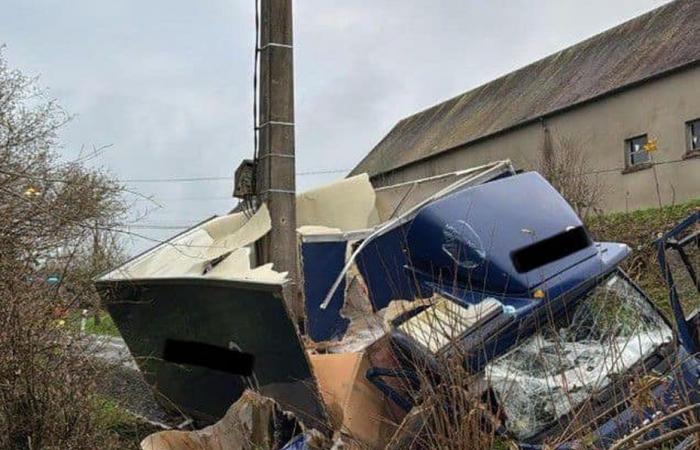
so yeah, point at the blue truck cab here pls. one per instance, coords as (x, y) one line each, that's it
(571, 336)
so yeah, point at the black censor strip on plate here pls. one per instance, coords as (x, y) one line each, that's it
(210, 356)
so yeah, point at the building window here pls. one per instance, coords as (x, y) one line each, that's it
(693, 135)
(635, 153)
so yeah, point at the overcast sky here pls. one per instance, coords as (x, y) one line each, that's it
(168, 83)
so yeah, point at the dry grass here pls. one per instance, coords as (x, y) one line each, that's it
(47, 377)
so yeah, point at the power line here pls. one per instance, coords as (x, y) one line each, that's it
(186, 199)
(148, 226)
(172, 180)
(162, 180)
(228, 178)
(157, 227)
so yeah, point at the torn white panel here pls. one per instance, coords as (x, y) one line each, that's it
(311, 230)
(265, 274)
(368, 327)
(562, 365)
(219, 248)
(348, 204)
(446, 321)
(176, 257)
(238, 262)
(236, 230)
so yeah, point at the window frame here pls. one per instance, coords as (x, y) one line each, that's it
(690, 127)
(629, 164)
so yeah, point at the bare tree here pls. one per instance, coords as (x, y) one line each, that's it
(49, 211)
(565, 164)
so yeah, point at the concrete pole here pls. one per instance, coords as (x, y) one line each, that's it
(275, 179)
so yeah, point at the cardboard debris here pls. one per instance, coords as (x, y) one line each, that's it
(381, 354)
(254, 422)
(356, 407)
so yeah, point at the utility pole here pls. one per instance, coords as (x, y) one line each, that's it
(96, 268)
(275, 176)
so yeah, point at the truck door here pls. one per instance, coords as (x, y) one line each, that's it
(679, 257)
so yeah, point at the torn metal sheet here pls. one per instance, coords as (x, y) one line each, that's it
(245, 316)
(321, 263)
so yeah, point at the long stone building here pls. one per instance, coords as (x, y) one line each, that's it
(633, 88)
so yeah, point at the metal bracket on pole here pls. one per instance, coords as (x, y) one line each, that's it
(272, 122)
(275, 44)
(275, 155)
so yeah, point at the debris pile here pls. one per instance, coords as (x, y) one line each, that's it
(253, 422)
(435, 310)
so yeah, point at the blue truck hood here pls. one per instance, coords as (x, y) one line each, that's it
(506, 236)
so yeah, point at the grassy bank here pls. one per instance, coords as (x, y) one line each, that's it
(125, 429)
(103, 326)
(639, 229)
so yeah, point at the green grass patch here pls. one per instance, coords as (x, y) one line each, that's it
(110, 415)
(103, 326)
(639, 229)
(128, 430)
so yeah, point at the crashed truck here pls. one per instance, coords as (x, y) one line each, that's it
(488, 266)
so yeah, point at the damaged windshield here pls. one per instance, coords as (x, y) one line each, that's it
(575, 355)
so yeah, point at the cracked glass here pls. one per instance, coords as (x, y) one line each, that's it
(576, 355)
